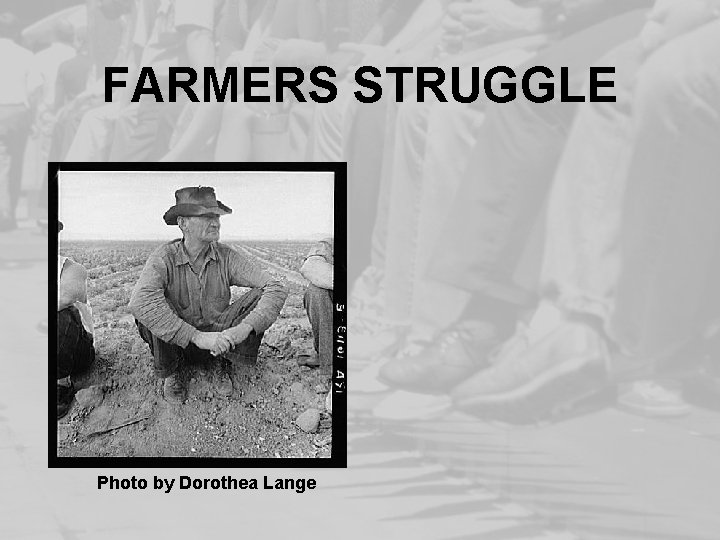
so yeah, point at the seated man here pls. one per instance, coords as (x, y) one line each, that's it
(75, 329)
(181, 302)
(318, 270)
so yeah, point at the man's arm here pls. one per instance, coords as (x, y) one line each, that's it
(73, 285)
(247, 273)
(149, 305)
(318, 271)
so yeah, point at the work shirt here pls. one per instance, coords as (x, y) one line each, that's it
(324, 275)
(173, 302)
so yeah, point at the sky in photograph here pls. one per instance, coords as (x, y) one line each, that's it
(130, 206)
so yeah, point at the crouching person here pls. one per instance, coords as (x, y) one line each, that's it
(318, 269)
(75, 352)
(181, 302)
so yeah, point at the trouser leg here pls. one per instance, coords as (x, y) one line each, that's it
(500, 201)
(365, 147)
(319, 307)
(247, 351)
(75, 352)
(671, 223)
(581, 260)
(166, 357)
(13, 125)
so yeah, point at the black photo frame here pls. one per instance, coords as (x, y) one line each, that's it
(338, 458)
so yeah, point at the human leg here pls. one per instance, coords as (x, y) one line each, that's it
(671, 220)
(624, 238)
(93, 139)
(166, 360)
(75, 350)
(13, 120)
(75, 353)
(511, 171)
(318, 304)
(247, 351)
(234, 138)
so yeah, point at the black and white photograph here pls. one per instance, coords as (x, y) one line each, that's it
(195, 314)
(512, 207)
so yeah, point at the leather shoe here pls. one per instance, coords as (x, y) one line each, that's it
(223, 382)
(545, 380)
(458, 353)
(174, 389)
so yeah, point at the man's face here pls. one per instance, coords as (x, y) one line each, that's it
(202, 228)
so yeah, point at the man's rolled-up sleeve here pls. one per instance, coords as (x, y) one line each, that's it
(245, 272)
(149, 305)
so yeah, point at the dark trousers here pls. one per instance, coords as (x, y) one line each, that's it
(167, 357)
(319, 306)
(75, 352)
(367, 138)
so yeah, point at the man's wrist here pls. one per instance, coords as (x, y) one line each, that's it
(238, 334)
(194, 336)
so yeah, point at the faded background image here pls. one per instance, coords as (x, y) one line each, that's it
(534, 303)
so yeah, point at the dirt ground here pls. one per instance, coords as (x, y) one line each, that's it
(120, 411)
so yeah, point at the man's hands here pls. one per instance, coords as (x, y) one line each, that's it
(215, 342)
(219, 343)
(238, 334)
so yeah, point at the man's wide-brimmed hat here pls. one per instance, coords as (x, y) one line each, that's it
(195, 201)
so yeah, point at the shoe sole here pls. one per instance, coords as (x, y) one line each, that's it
(554, 393)
(437, 389)
(656, 412)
